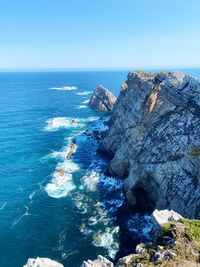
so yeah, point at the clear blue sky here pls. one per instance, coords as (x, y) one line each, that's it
(108, 34)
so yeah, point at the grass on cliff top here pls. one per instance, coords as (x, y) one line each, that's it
(192, 229)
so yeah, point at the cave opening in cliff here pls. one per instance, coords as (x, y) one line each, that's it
(146, 197)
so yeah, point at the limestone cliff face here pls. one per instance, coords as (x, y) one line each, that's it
(154, 136)
(102, 99)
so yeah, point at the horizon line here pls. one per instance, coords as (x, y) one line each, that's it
(95, 69)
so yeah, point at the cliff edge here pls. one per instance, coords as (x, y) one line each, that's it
(154, 136)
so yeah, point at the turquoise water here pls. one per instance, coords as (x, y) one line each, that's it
(43, 213)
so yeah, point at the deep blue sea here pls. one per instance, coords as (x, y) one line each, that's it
(67, 210)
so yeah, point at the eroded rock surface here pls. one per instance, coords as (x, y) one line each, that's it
(160, 217)
(102, 99)
(99, 262)
(42, 262)
(154, 135)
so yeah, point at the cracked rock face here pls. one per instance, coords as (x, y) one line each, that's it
(102, 99)
(154, 136)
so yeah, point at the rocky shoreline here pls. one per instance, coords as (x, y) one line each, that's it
(154, 144)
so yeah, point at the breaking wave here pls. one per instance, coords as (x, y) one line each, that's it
(64, 88)
(84, 93)
(61, 183)
(86, 101)
(82, 106)
(63, 122)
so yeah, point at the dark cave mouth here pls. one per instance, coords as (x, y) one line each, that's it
(145, 198)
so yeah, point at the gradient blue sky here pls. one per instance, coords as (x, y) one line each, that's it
(91, 34)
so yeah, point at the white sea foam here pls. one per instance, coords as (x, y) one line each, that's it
(82, 207)
(86, 101)
(58, 122)
(111, 183)
(3, 205)
(61, 183)
(90, 180)
(64, 88)
(25, 214)
(107, 240)
(94, 118)
(84, 93)
(32, 195)
(140, 225)
(82, 106)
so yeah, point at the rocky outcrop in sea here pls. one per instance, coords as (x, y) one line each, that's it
(154, 137)
(102, 99)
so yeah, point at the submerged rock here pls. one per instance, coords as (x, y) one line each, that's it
(99, 262)
(102, 99)
(42, 262)
(154, 137)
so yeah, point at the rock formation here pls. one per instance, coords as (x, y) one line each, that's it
(102, 99)
(160, 217)
(42, 262)
(72, 150)
(154, 136)
(99, 262)
(176, 245)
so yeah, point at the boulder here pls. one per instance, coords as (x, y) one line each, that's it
(102, 99)
(140, 249)
(99, 262)
(160, 217)
(42, 262)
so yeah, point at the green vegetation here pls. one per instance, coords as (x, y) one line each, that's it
(192, 229)
(181, 238)
(166, 229)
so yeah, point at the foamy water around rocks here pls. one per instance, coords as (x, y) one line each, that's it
(85, 184)
(50, 206)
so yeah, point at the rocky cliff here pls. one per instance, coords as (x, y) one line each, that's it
(102, 99)
(42, 262)
(154, 136)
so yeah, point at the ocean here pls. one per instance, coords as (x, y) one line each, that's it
(71, 216)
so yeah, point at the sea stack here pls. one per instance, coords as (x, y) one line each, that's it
(102, 99)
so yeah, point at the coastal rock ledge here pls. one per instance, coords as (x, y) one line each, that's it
(102, 99)
(42, 262)
(99, 262)
(154, 137)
